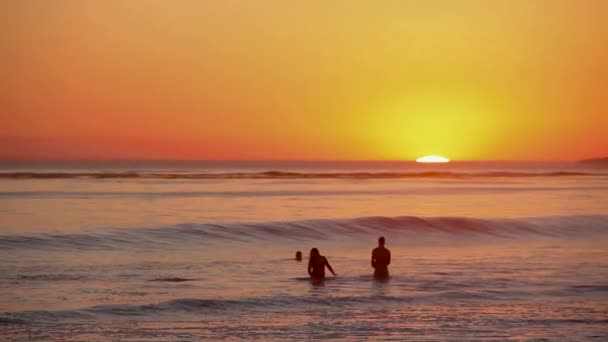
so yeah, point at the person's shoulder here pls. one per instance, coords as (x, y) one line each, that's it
(381, 250)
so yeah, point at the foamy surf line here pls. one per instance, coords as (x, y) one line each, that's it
(291, 175)
(422, 229)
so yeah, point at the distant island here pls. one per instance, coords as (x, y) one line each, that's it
(595, 161)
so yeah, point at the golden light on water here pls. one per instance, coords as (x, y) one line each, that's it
(432, 159)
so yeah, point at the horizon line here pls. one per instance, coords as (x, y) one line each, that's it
(110, 160)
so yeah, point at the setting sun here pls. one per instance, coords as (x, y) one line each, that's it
(432, 159)
(185, 82)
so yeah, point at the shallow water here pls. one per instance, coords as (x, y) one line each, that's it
(474, 258)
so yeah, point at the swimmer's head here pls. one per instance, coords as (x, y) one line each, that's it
(298, 255)
(314, 252)
(381, 241)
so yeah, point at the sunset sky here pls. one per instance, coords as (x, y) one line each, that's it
(469, 80)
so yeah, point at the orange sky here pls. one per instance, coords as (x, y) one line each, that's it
(509, 80)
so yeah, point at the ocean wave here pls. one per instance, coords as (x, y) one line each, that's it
(291, 175)
(265, 304)
(452, 190)
(274, 304)
(415, 229)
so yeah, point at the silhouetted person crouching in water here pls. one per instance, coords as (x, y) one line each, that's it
(381, 258)
(316, 265)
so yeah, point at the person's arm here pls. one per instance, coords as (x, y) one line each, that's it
(373, 260)
(388, 261)
(310, 267)
(329, 267)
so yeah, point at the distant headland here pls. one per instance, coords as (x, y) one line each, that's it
(595, 161)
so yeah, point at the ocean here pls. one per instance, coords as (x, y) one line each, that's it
(184, 251)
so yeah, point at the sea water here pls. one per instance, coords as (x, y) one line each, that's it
(205, 250)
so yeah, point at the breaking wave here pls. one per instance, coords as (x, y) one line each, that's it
(411, 227)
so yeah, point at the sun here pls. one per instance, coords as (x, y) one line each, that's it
(432, 159)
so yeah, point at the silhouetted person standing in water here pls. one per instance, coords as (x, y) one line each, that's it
(381, 258)
(316, 265)
(299, 256)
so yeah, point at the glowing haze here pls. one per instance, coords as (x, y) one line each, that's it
(524, 80)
